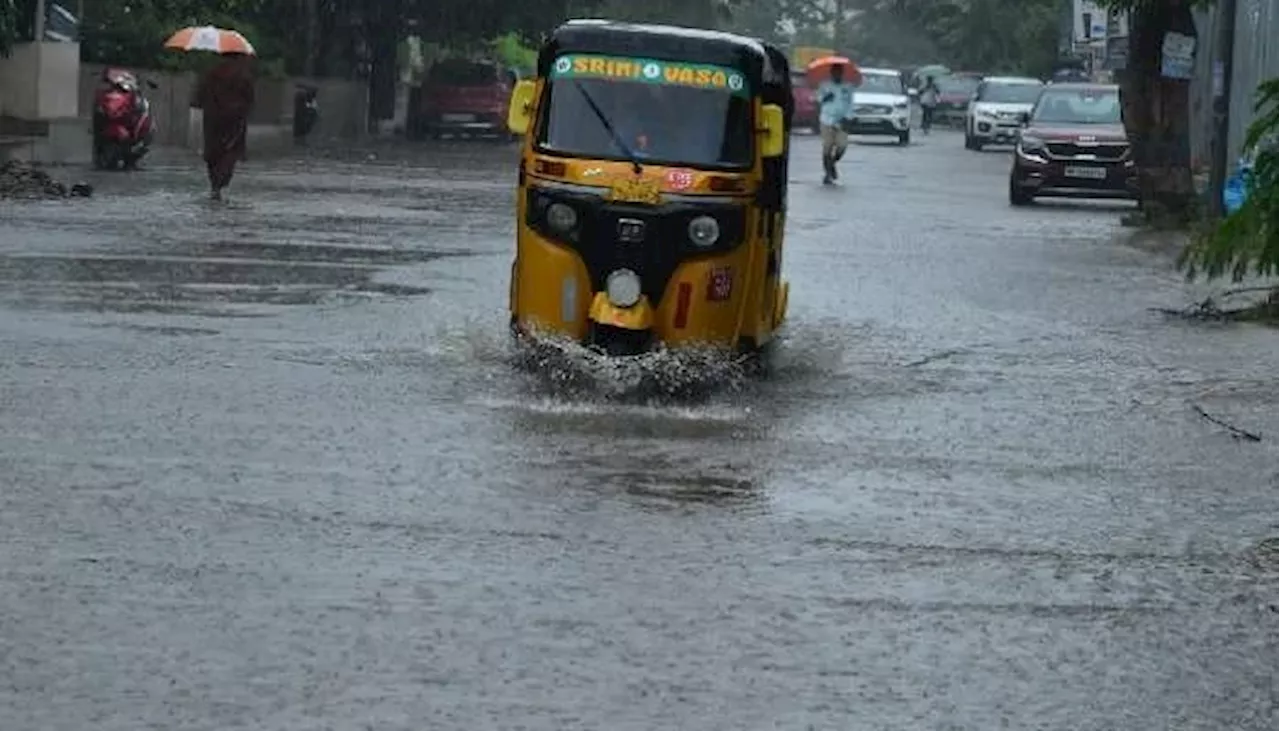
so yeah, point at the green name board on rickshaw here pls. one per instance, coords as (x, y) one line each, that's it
(650, 71)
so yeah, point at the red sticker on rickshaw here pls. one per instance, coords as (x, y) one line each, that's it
(680, 179)
(720, 285)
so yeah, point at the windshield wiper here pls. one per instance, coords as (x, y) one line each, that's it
(608, 127)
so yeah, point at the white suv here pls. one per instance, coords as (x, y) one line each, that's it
(881, 106)
(994, 115)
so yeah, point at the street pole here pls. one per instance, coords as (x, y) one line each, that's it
(38, 31)
(1222, 107)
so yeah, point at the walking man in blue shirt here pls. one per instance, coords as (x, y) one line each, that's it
(836, 99)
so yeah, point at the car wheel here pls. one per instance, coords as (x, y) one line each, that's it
(968, 138)
(904, 138)
(1018, 196)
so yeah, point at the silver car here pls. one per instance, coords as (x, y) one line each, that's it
(995, 112)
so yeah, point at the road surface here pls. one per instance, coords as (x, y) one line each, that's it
(267, 466)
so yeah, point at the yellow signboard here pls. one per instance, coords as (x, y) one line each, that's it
(802, 56)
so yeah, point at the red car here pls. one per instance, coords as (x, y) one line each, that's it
(954, 93)
(462, 96)
(806, 112)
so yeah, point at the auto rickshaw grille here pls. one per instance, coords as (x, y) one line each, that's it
(656, 241)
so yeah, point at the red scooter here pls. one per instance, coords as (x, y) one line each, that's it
(122, 123)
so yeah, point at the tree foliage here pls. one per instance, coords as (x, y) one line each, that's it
(347, 33)
(8, 26)
(998, 36)
(1245, 242)
(133, 33)
(1007, 36)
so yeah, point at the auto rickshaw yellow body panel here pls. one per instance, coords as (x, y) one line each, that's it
(681, 253)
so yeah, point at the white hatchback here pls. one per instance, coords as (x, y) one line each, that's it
(995, 113)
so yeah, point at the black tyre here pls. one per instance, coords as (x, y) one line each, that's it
(904, 138)
(1018, 196)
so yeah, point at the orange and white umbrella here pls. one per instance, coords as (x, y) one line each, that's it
(819, 70)
(208, 38)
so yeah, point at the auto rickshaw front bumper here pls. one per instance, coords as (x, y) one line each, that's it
(620, 330)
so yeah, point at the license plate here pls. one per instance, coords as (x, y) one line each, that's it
(1086, 172)
(457, 117)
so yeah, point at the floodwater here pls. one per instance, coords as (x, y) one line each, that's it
(268, 466)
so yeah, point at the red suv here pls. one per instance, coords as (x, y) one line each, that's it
(806, 112)
(462, 96)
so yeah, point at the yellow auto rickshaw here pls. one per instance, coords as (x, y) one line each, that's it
(652, 189)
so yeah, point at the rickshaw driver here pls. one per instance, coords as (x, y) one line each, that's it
(647, 118)
(658, 130)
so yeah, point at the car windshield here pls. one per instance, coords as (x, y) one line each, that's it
(957, 85)
(1078, 106)
(881, 84)
(461, 72)
(665, 113)
(1023, 93)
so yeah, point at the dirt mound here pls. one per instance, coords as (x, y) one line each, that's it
(24, 180)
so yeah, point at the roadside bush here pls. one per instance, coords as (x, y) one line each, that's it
(1245, 242)
(511, 50)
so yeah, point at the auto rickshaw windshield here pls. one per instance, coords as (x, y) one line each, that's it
(660, 123)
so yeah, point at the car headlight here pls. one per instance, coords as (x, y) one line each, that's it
(623, 288)
(1030, 145)
(900, 106)
(561, 217)
(984, 113)
(704, 231)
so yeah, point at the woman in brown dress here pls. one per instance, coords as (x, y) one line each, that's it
(226, 97)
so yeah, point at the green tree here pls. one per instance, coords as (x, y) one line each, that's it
(133, 33)
(1157, 109)
(8, 26)
(1245, 241)
(690, 13)
(997, 36)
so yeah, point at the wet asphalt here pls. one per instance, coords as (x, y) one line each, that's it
(268, 466)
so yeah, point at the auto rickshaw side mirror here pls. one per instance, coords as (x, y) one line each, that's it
(520, 113)
(773, 131)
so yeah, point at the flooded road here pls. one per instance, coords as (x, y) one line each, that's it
(267, 466)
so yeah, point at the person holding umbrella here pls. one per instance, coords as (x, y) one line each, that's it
(225, 96)
(835, 100)
(928, 103)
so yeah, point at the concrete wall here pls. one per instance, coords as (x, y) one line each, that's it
(38, 81)
(1255, 60)
(18, 82)
(59, 65)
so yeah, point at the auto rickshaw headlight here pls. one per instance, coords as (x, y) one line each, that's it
(561, 217)
(704, 231)
(623, 288)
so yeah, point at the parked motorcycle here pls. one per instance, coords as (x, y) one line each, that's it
(306, 112)
(122, 124)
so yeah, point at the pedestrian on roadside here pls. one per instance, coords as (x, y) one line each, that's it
(928, 103)
(225, 96)
(835, 96)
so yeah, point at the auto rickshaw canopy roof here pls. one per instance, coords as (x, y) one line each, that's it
(762, 65)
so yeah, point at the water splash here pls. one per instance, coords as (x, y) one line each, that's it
(562, 367)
